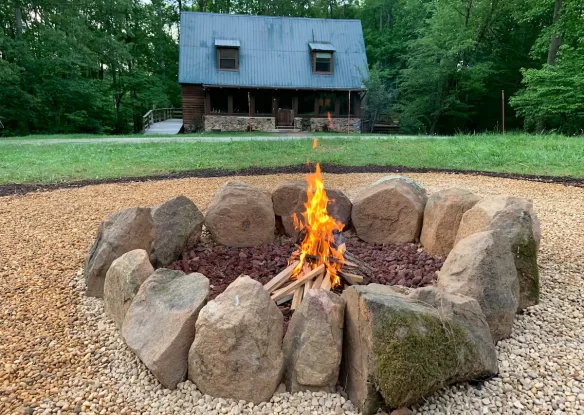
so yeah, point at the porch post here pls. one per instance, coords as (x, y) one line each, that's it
(316, 103)
(230, 104)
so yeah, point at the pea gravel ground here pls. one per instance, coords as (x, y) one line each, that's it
(58, 354)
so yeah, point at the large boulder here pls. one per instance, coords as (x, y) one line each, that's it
(481, 266)
(178, 224)
(241, 215)
(160, 324)
(237, 352)
(122, 281)
(515, 227)
(389, 212)
(313, 343)
(122, 232)
(290, 197)
(403, 344)
(442, 216)
(481, 215)
(514, 220)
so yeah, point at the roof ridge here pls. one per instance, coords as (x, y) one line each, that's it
(271, 17)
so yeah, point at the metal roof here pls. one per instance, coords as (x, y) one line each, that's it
(321, 46)
(227, 43)
(274, 52)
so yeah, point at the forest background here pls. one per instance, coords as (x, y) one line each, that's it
(436, 66)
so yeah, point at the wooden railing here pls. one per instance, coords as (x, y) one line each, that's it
(159, 114)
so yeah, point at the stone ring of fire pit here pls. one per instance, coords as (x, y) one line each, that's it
(387, 345)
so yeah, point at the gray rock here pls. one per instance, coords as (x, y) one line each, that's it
(481, 266)
(122, 232)
(514, 220)
(178, 224)
(390, 211)
(313, 343)
(122, 281)
(160, 324)
(237, 352)
(241, 215)
(289, 198)
(515, 226)
(480, 216)
(442, 216)
(403, 344)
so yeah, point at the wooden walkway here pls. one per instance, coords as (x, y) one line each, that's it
(168, 127)
(165, 121)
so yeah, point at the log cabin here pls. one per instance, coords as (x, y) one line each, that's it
(263, 73)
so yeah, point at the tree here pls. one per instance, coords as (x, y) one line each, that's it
(553, 97)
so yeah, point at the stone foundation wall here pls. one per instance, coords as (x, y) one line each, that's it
(236, 123)
(339, 125)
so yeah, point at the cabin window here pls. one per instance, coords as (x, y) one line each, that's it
(306, 103)
(228, 59)
(219, 102)
(323, 62)
(240, 102)
(263, 102)
(326, 103)
(344, 102)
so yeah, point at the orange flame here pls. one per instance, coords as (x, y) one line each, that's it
(319, 241)
(331, 124)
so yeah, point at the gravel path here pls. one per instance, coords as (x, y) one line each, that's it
(58, 354)
(206, 139)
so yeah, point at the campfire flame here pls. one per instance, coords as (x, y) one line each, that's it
(319, 230)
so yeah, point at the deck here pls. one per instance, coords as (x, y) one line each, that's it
(162, 121)
(167, 127)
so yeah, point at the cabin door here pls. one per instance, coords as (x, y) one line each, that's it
(285, 115)
(285, 118)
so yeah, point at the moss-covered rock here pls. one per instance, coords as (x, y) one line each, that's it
(515, 225)
(403, 344)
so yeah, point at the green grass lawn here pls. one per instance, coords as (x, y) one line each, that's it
(203, 134)
(551, 155)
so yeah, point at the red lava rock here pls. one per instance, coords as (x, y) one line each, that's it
(401, 264)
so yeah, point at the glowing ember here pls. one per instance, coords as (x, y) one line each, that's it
(318, 227)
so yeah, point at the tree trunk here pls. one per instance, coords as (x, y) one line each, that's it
(18, 16)
(556, 41)
(467, 14)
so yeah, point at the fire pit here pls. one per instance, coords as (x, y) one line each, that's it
(397, 290)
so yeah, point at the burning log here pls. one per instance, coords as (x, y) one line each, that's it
(321, 259)
(283, 292)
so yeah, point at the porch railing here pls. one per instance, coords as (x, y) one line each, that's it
(158, 115)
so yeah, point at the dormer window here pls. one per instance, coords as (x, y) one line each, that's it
(227, 54)
(322, 58)
(323, 62)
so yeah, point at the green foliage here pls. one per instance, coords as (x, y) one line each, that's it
(436, 65)
(90, 67)
(553, 97)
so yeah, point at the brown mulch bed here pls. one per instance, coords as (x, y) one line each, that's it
(24, 188)
(404, 264)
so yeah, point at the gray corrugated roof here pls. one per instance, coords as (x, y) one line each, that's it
(229, 43)
(321, 46)
(274, 51)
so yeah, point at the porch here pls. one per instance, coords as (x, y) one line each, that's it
(242, 109)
